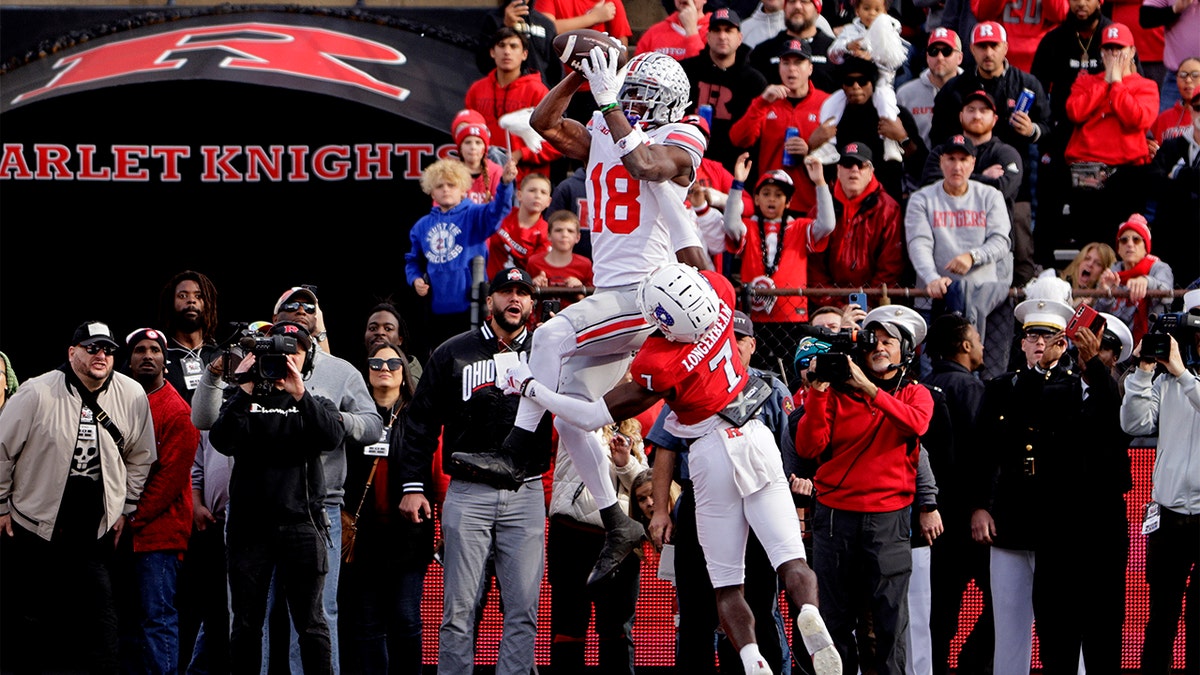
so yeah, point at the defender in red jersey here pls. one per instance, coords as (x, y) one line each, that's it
(691, 361)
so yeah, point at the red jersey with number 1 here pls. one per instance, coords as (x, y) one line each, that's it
(705, 376)
(630, 237)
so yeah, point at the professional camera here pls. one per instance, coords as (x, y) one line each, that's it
(1156, 344)
(835, 350)
(270, 353)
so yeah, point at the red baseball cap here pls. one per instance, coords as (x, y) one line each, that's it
(945, 36)
(988, 31)
(1116, 34)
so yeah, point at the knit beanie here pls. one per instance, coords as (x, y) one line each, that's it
(470, 123)
(10, 376)
(1137, 223)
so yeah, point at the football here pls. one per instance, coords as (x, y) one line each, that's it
(573, 47)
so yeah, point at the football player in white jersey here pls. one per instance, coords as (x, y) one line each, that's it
(640, 162)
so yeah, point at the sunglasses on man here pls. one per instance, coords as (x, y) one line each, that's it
(940, 50)
(392, 364)
(309, 307)
(94, 349)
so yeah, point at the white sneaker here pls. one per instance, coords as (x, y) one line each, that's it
(826, 153)
(892, 152)
(818, 642)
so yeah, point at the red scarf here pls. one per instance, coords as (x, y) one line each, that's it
(855, 241)
(1141, 312)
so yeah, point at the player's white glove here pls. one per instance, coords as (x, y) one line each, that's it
(518, 380)
(600, 69)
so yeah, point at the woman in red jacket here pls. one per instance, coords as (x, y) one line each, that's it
(1108, 150)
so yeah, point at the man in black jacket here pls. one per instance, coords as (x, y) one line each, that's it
(957, 354)
(276, 431)
(458, 400)
(722, 77)
(800, 23)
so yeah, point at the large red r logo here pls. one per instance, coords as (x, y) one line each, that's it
(304, 52)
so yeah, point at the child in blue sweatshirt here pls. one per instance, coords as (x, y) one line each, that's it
(444, 242)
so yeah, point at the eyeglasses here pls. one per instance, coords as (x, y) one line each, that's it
(860, 80)
(854, 164)
(1130, 239)
(309, 307)
(93, 349)
(940, 50)
(392, 364)
(1035, 336)
(1190, 75)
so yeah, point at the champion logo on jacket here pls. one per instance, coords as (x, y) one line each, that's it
(259, 409)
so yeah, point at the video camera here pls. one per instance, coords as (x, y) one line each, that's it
(1156, 344)
(835, 350)
(270, 354)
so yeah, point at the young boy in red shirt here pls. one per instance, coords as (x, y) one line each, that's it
(523, 231)
(560, 266)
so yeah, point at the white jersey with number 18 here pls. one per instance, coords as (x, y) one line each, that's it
(630, 234)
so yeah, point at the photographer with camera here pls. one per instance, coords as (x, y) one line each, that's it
(1169, 406)
(277, 431)
(863, 420)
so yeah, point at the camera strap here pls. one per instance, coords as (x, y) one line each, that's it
(90, 399)
(747, 402)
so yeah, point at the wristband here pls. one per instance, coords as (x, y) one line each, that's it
(605, 109)
(631, 141)
(737, 185)
(526, 386)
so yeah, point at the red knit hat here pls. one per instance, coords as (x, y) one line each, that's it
(470, 123)
(1137, 223)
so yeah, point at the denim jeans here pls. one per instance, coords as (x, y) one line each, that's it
(477, 520)
(382, 610)
(157, 572)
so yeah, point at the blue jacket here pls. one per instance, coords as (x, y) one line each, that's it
(443, 244)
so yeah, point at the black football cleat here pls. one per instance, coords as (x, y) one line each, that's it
(622, 536)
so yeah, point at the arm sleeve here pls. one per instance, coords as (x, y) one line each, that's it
(177, 453)
(746, 131)
(422, 426)
(912, 414)
(927, 489)
(1139, 408)
(920, 238)
(589, 415)
(206, 400)
(359, 416)
(1150, 16)
(414, 264)
(1088, 94)
(824, 223)
(140, 453)
(1135, 103)
(813, 432)
(998, 243)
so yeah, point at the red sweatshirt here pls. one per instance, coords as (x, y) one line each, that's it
(1025, 21)
(1112, 119)
(868, 449)
(512, 244)
(668, 37)
(163, 520)
(792, 270)
(493, 102)
(766, 124)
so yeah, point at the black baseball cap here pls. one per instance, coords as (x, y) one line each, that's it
(960, 143)
(857, 152)
(94, 332)
(512, 276)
